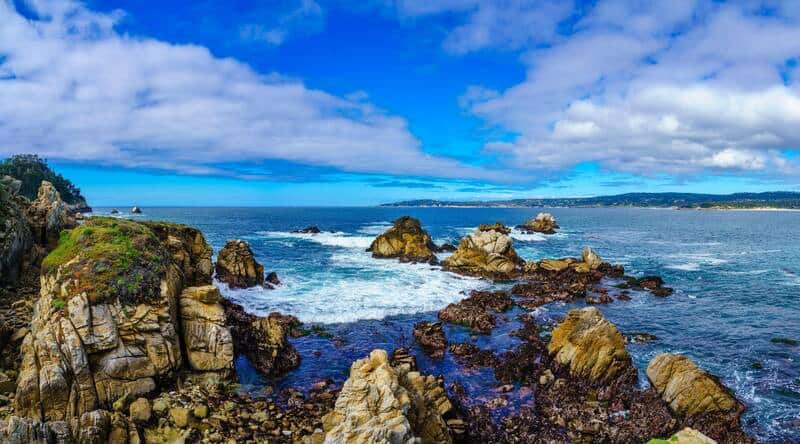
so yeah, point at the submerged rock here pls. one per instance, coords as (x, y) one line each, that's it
(237, 266)
(383, 404)
(591, 347)
(311, 229)
(263, 340)
(543, 223)
(488, 251)
(406, 240)
(474, 311)
(430, 335)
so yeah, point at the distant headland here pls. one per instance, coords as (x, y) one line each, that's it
(788, 200)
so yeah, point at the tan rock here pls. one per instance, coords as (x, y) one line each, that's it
(382, 404)
(543, 223)
(140, 410)
(179, 416)
(590, 346)
(208, 342)
(685, 436)
(688, 389)
(489, 251)
(406, 240)
(237, 266)
(555, 264)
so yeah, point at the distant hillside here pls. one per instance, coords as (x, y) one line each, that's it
(772, 199)
(32, 170)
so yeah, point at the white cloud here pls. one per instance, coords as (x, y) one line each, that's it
(71, 87)
(293, 17)
(652, 87)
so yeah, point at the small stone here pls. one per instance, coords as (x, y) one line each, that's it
(140, 410)
(160, 406)
(200, 411)
(546, 377)
(179, 416)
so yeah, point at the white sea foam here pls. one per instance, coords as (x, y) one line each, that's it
(337, 239)
(354, 285)
(689, 266)
(375, 228)
(528, 237)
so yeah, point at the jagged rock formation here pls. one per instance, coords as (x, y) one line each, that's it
(406, 240)
(263, 340)
(488, 251)
(688, 389)
(383, 404)
(106, 324)
(685, 436)
(237, 266)
(48, 215)
(591, 347)
(16, 238)
(207, 341)
(430, 335)
(543, 223)
(590, 261)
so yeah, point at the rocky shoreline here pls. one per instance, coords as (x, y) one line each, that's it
(115, 332)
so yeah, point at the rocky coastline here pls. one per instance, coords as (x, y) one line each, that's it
(114, 331)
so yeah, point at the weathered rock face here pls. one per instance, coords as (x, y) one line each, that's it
(406, 240)
(237, 267)
(591, 347)
(207, 341)
(263, 340)
(488, 251)
(106, 322)
(688, 389)
(48, 215)
(543, 223)
(382, 404)
(16, 238)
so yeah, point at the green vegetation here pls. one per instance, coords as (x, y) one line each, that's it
(58, 304)
(32, 170)
(111, 258)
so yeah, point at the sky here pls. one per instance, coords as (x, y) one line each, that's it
(361, 102)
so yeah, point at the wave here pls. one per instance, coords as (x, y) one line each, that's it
(527, 237)
(335, 239)
(357, 287)
(375, 228)
(689, 266)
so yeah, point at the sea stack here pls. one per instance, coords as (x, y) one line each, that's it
(406, 240)
(237, 266)
(544, 223)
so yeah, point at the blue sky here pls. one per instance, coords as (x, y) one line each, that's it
(304, 102)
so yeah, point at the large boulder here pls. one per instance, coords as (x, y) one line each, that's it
(543, 223)
(106, 324)
(48, 215)
(263, 340)
(688, 389)
(384, 404)
(406, 240)
(591, 347)
(237, 267)
(685, 436)
(488, 251)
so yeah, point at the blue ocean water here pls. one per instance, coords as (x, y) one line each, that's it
(736, 276)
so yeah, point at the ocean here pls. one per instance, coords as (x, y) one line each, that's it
(736, 276)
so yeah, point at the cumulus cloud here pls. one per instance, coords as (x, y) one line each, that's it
(72, 87)
(676, 86)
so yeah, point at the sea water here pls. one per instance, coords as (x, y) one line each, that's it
(736, 276)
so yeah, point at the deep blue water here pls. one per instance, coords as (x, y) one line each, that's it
(736, 276)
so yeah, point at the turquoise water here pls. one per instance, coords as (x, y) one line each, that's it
(736, 276)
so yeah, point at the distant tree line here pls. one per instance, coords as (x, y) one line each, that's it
(32, 170)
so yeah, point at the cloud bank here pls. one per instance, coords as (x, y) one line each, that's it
(72, 87)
